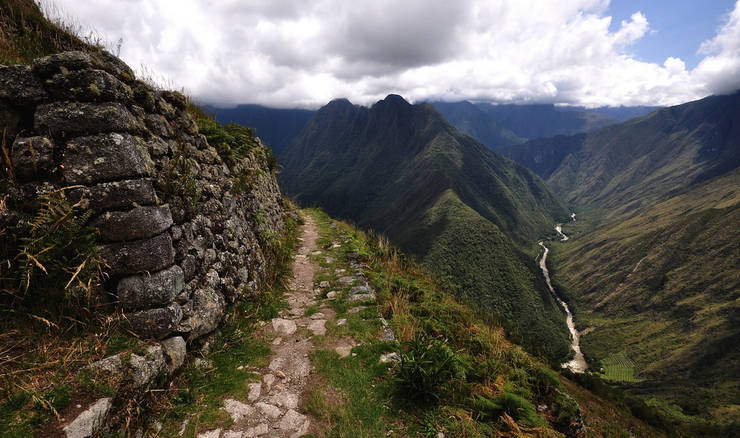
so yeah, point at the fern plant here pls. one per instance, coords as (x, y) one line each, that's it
(56, 258)
(426, 367)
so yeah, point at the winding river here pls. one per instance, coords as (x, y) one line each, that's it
(578, 363)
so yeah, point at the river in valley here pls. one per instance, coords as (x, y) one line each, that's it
(578, 363)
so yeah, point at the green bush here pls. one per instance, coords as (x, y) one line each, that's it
(546, 381)
(566, 409)
(518, 408)
(232, 141)
(426, 367)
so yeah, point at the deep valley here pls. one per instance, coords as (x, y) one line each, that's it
(369, 219)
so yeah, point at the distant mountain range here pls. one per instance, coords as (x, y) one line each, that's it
(651, 269)
(276, 127)
(623, 166)
(617, 113)
(404, 171)
(496, 126)
(479, 124)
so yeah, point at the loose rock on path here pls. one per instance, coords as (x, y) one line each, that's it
(272, 406)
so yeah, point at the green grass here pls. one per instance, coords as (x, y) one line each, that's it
(491, 376)
(362, 380)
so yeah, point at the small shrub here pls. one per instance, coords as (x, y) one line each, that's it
(59, 397)
(566, 409)
(426, 367)
(546, 381)
(243, 181)
(180, 187)
(232, 141)
(272, 162)
(517, 407)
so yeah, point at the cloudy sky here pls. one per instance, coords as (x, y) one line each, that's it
(303, 53)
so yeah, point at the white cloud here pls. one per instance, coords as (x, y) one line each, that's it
(719, 71)
(304, 53)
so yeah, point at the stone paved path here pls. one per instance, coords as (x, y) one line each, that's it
(272, 406)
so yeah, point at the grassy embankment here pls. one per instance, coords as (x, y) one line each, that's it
(458, 373)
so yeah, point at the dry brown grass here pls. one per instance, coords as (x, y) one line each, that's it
(25, 32)
(40, 364)
(398, 307)
(36, 354)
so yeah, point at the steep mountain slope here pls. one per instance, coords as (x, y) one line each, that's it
(617, 113)
(656, 285)
(630, 164)
(543, 120)
(404, 171)
(663, 288)
(478, 124)
(274, 126)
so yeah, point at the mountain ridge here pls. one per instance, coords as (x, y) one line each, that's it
(641, 160)
(651, 269)
(404, 171)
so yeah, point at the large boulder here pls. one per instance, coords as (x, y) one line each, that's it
(147, 291)
(155, 323)
(208, 307)
(88, 86)
(139, 223)
(32, 157)
(116, 195)
(105, 157)
(147, 255)
(19, 86)
(70, 119)
(65, 62)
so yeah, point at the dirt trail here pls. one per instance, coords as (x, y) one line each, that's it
(271, 408)
(273, 405)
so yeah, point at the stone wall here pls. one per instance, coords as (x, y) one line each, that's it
(180, 241)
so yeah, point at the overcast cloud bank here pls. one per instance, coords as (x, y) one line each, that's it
(287, 53)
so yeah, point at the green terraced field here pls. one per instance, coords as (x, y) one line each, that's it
(619, 367)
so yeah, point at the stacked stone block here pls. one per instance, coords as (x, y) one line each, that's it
(82, 121)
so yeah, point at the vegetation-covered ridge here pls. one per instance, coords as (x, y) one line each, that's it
(454, 372)
(660, 291)
(632, 164)
(404, 171)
